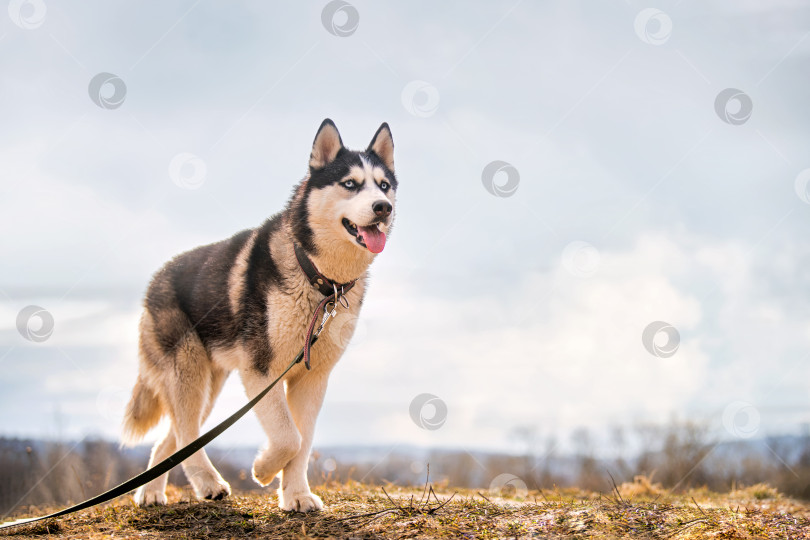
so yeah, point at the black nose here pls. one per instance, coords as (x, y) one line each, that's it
(382, 208)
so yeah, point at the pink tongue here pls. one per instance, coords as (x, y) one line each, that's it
(373, 237)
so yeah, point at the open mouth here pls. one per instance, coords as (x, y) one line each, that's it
(370, 236)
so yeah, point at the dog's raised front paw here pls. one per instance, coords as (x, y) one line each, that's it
(300, 502)
(265, 471)
(270, 461)
(149, 497)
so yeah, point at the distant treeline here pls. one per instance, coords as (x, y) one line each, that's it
(43, 473)
(678, 456)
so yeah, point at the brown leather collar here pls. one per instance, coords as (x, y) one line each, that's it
(325, 285)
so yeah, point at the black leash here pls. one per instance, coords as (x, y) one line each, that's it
(184, 453)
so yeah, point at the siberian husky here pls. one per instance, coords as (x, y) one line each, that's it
(244, 304)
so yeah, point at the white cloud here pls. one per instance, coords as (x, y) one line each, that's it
(574, 355)
(556, 351)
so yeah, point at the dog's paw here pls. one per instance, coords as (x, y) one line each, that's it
(216, 492)
(264, 473)
(300, 502)
(209, 485)
(149, 497)
(270, 462)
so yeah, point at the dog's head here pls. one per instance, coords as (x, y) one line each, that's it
(349, 197)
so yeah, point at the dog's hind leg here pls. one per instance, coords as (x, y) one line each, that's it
(147, 407)
(155, 491)
(218, 378)
(190, 389)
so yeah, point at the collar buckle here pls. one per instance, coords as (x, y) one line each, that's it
(325, 286)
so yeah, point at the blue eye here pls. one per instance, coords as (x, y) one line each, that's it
(384, 186)
(349, 184)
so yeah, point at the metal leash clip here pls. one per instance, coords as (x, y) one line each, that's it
(327, 314)
(330, 309)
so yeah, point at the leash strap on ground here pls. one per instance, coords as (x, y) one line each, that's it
(184, 453)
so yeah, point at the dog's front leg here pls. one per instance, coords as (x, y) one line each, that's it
(304, 395)
(283, 440)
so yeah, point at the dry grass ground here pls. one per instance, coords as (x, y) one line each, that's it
(635, 510)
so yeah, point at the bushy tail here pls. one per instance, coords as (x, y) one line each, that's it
(144, 411)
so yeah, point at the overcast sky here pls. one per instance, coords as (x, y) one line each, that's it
(644, 193)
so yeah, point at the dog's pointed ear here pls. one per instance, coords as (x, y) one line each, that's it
(326, 146)
(382, 144)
